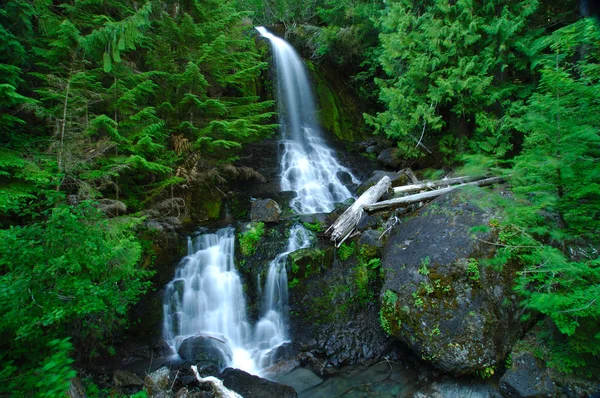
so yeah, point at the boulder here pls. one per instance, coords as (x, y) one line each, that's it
(76, 389)
(437, 297)
(158, 383)
(122, 378)
(205, 349)
(527, 378)
(265, 210)
(391, 157)
(250, 386)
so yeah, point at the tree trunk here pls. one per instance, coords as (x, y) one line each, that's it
(432, 184)
(216, 385)
(346, 223)
(407, 200)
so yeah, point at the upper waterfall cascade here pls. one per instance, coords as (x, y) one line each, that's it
(308, 166)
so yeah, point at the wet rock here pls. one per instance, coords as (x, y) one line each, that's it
(371, 149)
(321, 218)
(438, 299)
(344, 177)
(367, 221)
(369, 244)
(76, 389)
(250, 386)
(205, 349)
(265, 210)
(391, 157)
(527, 378)
(158, 383)
(122, 378)
(306, 262)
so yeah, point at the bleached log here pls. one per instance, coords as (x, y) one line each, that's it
(433, 184)
(407, 200)
(411, 175)
(216, 385)
(346, 223)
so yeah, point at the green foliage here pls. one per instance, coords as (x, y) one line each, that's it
(452, 67)
(293, 283)
(423, 269)
(551, 225)
(250, 238)
(486, 372)
(473, 269)
(313, 227)
(385, 324)
(388, 306)
(74, 266)
(345, 251)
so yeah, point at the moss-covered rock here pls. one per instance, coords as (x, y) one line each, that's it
(439, 299)
(338, 109)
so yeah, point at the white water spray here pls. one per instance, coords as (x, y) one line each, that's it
(308, 166)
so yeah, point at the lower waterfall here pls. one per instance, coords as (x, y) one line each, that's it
(206, 297)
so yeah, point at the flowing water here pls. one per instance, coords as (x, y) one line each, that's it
(308, 166)
(206, 295)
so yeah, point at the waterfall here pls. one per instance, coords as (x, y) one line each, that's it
(308, 166)
(206, 295)
(271, 329)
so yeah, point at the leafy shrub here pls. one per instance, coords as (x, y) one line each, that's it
(345, 251)
(249, 239)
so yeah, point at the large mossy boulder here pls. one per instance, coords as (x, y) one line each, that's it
(438, 298)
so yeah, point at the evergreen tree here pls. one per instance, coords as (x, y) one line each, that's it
(455, 69)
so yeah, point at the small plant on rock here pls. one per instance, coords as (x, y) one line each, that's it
(249, 239)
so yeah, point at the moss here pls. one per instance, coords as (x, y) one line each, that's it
(338, 111)
(307, 262)
(206, 206)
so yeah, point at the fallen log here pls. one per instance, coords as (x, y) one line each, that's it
(346, 223)
(216, 385)
(410, 199)
(433, 184)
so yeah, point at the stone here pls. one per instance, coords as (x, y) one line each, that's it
(437, 298)
(205, 349)
(250, 386)
(371, 149)
(527, 378)
(76, 389)
(122, 378)
(369, 244)
(367, 221)
(158, 383)
(265, 210)
(391, 157)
